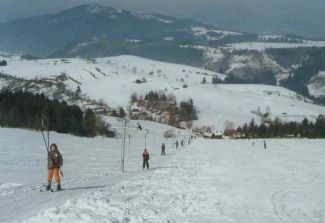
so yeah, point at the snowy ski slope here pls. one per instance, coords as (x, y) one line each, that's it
(207, 181)
(90, 164)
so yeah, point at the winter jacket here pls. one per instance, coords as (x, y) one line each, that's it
(145, 156)
(54, 160)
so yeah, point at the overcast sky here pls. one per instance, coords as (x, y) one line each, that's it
(304, 17)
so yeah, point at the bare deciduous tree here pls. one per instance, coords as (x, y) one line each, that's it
(229, 125)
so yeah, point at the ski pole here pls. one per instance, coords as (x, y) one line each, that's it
(45, 127)
(47, 148)
(61, 173)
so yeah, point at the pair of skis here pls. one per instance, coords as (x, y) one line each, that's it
(50, 190)
(43, 189)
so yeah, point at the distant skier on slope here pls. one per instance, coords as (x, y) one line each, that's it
(139, 126)
(54, 163)
(163, 149)
(145, 156)
(176, 144)
(265, 147)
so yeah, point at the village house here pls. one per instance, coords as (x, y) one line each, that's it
(230, 133)
(212, 135)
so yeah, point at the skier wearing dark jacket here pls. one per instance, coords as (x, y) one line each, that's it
(163, 147)
(54, 163)
(145, 156)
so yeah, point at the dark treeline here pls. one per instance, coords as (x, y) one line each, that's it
(25, 110)
(279, 129)
(262, 77)
(3, 63)
(156, 96)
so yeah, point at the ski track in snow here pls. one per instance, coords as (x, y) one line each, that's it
(210, 181)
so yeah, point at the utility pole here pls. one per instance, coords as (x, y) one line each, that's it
(129, 135)
(125, 129)
(123, 146)
(145, 138)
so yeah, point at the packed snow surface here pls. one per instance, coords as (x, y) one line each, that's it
(207, 181)
(89, 165)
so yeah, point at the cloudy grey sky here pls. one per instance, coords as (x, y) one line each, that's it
(302, 17)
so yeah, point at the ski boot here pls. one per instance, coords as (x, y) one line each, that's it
(58, 187)
(48, 187)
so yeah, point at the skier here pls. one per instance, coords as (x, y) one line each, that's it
(265, 147)
(145, 156)
(54, 163)
(176, 144)
(163, 147)
(139, 126)
(182, 142)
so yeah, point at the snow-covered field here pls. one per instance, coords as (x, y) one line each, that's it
(316, 86)
(245, 61)
(260, 46)
(206, 181)
(213, 34)
(113, 79)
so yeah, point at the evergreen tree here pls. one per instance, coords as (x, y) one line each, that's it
(121, 113)
(114, 113)
(3, 63)
(216, 80)
(90, 123)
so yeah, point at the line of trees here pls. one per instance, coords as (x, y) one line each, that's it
(120, 113)
(25, 110)
(159, 96)
(277, 128)
(261, 77)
